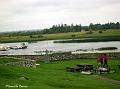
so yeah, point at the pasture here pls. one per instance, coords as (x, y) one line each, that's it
(109, 34)
(53, 75)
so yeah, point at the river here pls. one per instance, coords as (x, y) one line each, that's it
(35, 48)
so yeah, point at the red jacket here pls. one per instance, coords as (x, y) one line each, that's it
(102, 58)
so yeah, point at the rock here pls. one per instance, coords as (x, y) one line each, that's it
(86, 72)
(23, 78)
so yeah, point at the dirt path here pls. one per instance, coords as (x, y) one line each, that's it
(107, 79)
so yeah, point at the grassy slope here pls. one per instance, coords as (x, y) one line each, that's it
(110, 33)
(54, 76)
(83, 34)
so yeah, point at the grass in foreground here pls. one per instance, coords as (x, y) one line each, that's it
(54, 76)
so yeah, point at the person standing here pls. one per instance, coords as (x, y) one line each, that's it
(105, 60)
(102, 60)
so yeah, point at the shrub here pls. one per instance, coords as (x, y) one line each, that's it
(100, 31)
(73, 35)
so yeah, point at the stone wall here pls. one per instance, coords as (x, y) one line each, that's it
(25, 63)
(67, 56)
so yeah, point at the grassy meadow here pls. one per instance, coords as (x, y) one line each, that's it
(110, 34)
(53, 75)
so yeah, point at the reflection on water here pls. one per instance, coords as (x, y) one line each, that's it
(49, 45)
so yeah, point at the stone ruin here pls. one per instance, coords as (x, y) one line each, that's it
(25, 63)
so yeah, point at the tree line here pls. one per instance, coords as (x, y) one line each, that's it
(62, 28)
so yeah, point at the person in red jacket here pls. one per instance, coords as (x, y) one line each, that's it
(102, 59)
(105, 60)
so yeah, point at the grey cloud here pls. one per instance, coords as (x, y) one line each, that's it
(20, 14)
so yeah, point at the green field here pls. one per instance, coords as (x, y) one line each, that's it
(53, 75)
(110, 34)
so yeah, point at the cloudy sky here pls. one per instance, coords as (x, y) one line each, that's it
(39, 14)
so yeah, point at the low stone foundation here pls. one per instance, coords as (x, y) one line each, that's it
(65, 56)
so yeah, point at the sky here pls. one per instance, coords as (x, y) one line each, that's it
(16, 15)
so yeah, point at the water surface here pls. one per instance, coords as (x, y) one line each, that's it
(51, 46)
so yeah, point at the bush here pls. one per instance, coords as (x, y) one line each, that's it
(100, 31)
(72, 35)
(31, 36)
